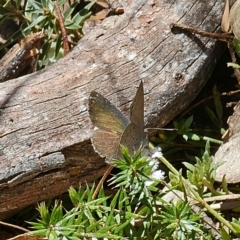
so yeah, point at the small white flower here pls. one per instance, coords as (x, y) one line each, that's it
(153, 156)
(152, 153)
(156, 175)
(158, 153)
(154, 163)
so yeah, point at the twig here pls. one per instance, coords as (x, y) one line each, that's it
(206, 99)
(224, 37)
(110, 168)
(14, 226)
(63, 29)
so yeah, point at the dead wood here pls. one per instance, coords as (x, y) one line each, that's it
(44, 121)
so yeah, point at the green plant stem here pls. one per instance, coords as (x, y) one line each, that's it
(196, 195)
(212, 140)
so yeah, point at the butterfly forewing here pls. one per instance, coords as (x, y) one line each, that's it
(110, 123)
(105, 115)
(137, 109)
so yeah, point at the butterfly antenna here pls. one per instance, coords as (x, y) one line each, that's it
(164, 129)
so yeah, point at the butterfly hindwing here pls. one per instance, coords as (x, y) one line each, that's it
(131, 138)
(105, 142)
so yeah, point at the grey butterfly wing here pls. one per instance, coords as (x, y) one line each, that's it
(133, 136)
(132, 139)
(137, 108)
(106, 143)
(110, 122)
(137, 115)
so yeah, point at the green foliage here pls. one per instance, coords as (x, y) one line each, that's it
(191, 135)
(234, 65)
(41, 15)
(216, 115)
(184, 138)
(183, 127)
(236, 44)
(203, 173)
(179, 221)
(190, 192)
(121, 215)
(136, 210)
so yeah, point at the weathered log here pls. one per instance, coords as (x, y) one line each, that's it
(44, 121)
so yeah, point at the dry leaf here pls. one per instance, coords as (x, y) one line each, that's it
(225, 25)
(99, 16)
(235, 19)
(229, 152)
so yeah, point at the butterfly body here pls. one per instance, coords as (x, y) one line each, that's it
(113, 128)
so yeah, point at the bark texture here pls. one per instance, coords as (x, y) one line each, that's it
(45, 128)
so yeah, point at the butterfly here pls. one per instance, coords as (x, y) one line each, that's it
(113, 128)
